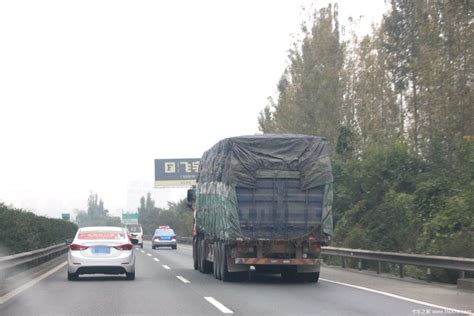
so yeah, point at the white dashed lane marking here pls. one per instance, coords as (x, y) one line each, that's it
(165, 266)
(183, 279)
(148, 254)
(218, 305)
(156, 259)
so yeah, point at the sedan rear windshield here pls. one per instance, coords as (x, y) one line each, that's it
(101, 235)
(164, 232)
(134, 228)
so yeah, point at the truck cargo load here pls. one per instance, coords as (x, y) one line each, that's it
(263, 201)
(265, 186)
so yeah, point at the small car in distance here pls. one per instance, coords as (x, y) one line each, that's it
(136, 231)
(164, 236)
(104, 250)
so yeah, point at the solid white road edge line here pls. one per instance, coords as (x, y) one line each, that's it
(165, 266)
(218, 305)
(156, 259)
(399, 297)
(26, 286)
(183, 279)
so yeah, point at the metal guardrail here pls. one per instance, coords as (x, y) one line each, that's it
(429, 262)
(16, 264)
(450, 263)
(185, 240)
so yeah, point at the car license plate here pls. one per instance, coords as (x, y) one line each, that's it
(100, 249)
(165, 238)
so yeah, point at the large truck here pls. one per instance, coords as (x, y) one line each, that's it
(263, 203)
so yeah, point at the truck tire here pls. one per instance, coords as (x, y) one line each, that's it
(205, 266)
(312, 277)
(289, 275)
(195, 260)
(198, 255)
(225, 274)
(216, 260)
(219, 261)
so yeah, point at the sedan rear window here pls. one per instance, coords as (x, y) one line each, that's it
(101, 235)
(134, 228)
(164, 232)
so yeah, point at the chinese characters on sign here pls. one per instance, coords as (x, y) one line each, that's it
(176, 172)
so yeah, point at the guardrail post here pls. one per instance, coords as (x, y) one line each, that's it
(462, 274)
(359, 265)
(429, 277)
(401, 271)
(379, 267)
(343, 261)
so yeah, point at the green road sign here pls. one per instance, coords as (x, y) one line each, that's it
(66, 216)
(130, 217)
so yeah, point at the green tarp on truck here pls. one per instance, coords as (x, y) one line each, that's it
(273, 186)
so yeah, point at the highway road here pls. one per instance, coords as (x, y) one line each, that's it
(166, 284)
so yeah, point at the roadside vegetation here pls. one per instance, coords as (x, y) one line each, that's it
(178, 216)
(96, 214)
(22, 230)
(397, 107)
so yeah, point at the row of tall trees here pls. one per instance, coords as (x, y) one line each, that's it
(397, 106)
(177, 216)
(410, 79)
(96, 214)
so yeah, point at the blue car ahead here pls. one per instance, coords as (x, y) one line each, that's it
(164, 236)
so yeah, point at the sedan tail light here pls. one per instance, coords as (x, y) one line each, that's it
(78, 247)
(124, 247)
(173, 237)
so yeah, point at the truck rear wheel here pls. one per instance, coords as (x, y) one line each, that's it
(215, 267)
(204, 265)
(289, 274)
(312, 277)
(225, 274)
(195, 259)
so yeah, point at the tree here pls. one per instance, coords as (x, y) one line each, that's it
(310, 90)
(96, 214)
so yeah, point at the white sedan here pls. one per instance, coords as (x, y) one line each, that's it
(104, 250)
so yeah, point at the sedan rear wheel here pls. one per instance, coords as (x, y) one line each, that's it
(131, 276)
(72, 276)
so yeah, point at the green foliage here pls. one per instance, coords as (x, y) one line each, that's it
(310, 92)
(22, 231)
(96, 214)
(392, 199)
(178, 216)
(396, 105)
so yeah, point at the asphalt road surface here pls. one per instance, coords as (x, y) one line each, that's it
(166, 284)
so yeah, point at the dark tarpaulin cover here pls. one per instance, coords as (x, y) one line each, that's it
(234, 162)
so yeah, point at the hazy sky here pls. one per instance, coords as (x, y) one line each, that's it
(91, 92)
